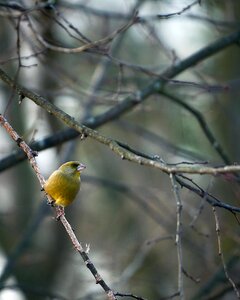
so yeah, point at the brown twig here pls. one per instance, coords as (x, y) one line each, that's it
(202, 123)
(121, 16)
(220, 253)
(31, 156)
(178, 13)
(178, 239)
(104, 41)
(129, 296)
(212, 200)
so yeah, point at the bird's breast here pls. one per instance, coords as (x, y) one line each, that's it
(62, 188)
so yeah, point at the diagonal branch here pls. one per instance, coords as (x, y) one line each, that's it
(220, 253)
(178, 238)
(180, 66)
(31, 156)
(196, 189)
(203, 124)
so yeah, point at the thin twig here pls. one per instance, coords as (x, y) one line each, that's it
(195, 280)
(215, 282)
(212, 200)
(200, 208)
(180, 12)
(220, 253)
(81, 39)
(174, 295)
(129, 295)
(101, 42)
(37, 53)
(203, 124)
(178, 236)
(122, 16)
(76, 30)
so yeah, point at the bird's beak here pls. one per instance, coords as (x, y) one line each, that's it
(81, 167)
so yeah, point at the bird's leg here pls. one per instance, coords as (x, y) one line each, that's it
(50, 200)
(60, 212)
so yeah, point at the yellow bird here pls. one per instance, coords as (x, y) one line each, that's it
(64, 183)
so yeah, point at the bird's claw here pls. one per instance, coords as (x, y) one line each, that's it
(50, 202)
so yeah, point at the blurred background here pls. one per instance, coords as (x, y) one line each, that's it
(124, 211)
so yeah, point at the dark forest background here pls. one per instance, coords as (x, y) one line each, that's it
(160, 79)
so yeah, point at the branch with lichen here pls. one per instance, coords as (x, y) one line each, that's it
(109, 142)
(116, 147)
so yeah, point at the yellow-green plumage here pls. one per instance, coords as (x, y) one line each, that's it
(64, 183)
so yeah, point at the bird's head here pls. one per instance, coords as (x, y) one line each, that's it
(72, 167)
